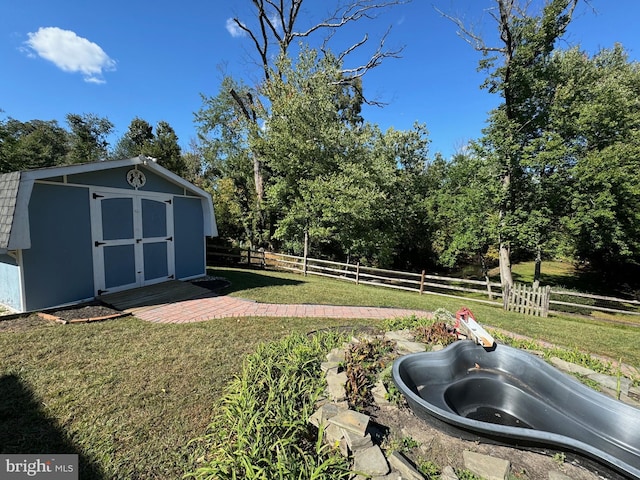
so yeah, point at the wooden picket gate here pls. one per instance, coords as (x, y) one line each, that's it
(525, 299)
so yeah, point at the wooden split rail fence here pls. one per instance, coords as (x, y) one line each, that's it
(520, 298)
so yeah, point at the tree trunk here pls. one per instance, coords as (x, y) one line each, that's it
(505, 264)
(536, 273)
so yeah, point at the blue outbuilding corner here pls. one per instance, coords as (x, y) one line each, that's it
(71, 233)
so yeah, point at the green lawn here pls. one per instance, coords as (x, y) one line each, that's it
(128, 395)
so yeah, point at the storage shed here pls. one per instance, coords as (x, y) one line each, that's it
(71, 233)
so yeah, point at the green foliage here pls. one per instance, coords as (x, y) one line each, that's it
(406, 323)
(32, 144)
(88, 138)
(467, 475)
(262, 431)
(162, 146)
(429, 469)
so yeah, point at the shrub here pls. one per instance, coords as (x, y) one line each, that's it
(261, 430)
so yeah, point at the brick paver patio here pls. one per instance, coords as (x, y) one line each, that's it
(221, 306)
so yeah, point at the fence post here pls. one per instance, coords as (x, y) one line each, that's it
(506, 291)
(249, 256)
(422, 282)
(306, 252)
(358, 273)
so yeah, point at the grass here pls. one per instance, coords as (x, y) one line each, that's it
(591, 335)
(127, 395)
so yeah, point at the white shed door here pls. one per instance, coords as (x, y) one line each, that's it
(132, 239)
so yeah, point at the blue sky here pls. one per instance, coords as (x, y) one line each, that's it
(153, 59)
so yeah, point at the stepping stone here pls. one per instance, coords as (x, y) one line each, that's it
(489, 468)
(403, 466)
(370, 461)
(336, 385)
(352, 421)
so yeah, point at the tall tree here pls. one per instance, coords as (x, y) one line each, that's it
(32, 144)
(274, 26)
(135, 141)
(597, 115)
(88, 137)
(518, 72)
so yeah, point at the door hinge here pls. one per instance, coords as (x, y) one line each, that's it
(95, 195)
(171, 276)
(97, 243)
(100, 292)
(169, 239)
(168, 201)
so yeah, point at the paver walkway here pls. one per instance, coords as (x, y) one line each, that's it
(221, 306)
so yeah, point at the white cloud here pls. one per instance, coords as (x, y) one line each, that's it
(233, 28)
(70, 53)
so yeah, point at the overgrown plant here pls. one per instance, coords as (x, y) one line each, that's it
(364, 361)
(406, 323)
(261, 430)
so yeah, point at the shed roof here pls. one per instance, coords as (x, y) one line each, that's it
(16, 188)
(9, 183)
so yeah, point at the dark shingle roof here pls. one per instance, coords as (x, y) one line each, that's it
(9, 183)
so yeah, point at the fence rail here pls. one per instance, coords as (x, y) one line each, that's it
(544, 302)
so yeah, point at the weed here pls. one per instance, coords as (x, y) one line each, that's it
(559, 458)
(364, 361)
(429, 469)
(405, 323)
(403, 445)
(393, 394)
(438, 332)
(467, 475)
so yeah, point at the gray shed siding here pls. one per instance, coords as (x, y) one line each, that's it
(10, 282)
(189, 237)
(58, 268)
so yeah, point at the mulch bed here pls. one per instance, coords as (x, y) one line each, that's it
(86, 312)
(214, 284)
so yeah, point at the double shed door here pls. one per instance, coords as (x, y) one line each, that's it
(132, 239)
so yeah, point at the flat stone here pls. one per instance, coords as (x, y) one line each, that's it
(570, 367)
(370, 461)
(399, 335)
(448, 473)
(351, 420)
(333, 436)
(324, 413)
(611, 382)
(555, 475)
(336, 355)
(326, 366)
(489, 468)
(400, 463)
(437, 347)
(355, 441)
(411, 347)
(379, 392)
(336, 385)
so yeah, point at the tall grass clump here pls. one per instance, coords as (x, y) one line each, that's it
(260, 430)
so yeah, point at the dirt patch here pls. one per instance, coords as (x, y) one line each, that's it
(22, 323)
(86, 311)
(78, 313)
(443, 449)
